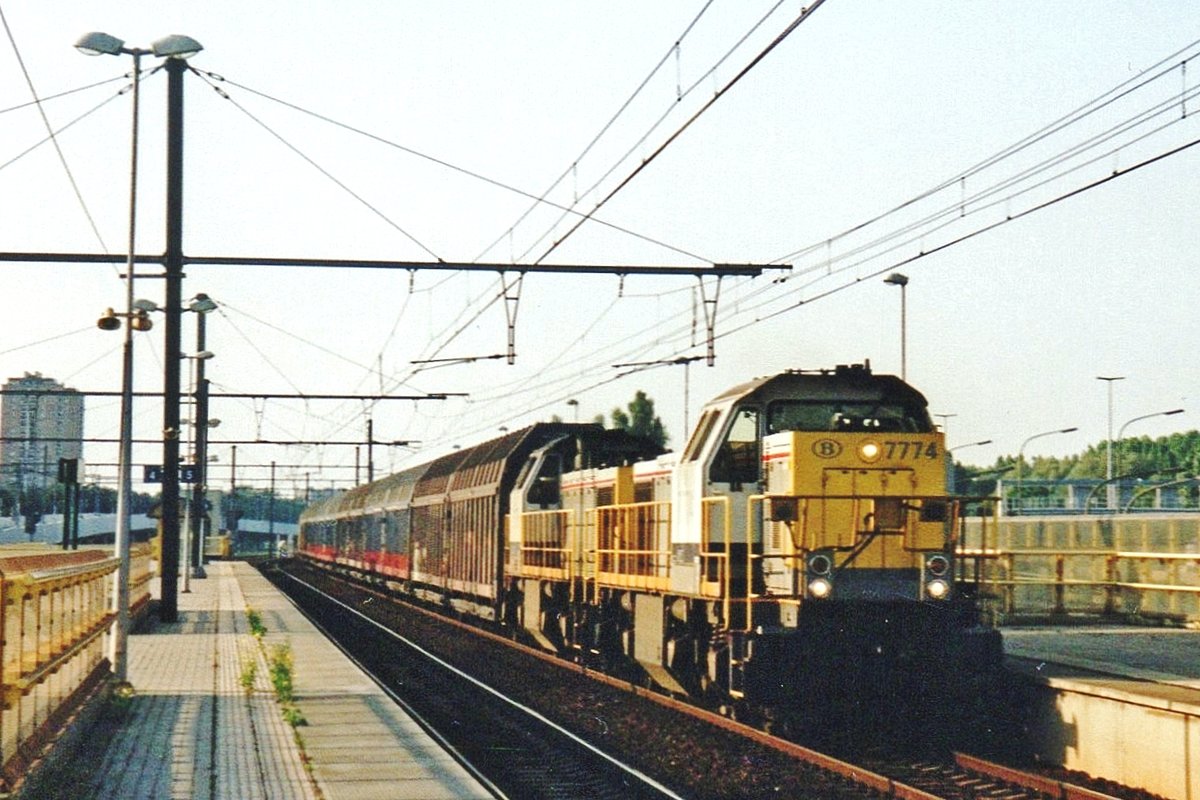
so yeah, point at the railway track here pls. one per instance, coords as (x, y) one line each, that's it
(513, 749)
(606, 738)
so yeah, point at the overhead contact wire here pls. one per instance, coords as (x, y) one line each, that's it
(312, 163)
(62, 158)
(540, 199)
(443, 163)
(804, 15)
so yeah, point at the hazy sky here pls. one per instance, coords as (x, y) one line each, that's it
(338, 121)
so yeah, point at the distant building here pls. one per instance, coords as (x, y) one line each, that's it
(41, 421)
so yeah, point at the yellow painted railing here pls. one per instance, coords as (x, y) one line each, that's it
(141, 572)
(547, 543)
(633, 545)
(1138, 565)
(55, 616)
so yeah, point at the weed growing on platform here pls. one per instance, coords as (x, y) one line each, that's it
(256, 624)
(294, 717)
(249, 673)
(282, 664)
(281, 672)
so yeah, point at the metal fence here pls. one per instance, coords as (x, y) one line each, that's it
(57, 612)
(1131, 566)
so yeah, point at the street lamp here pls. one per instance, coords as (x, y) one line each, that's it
(950, 471)
(1109, 379)
(574, 404)
(192, 568)
(901, 280)
(1121, 432)
(972, 444)
(1021, 451)
(174, 46)
(174, 49)
(201, 305)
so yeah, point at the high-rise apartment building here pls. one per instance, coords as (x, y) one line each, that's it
(41, 421)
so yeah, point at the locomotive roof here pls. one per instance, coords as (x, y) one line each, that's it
(852, 382)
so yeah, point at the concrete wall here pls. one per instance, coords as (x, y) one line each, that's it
(1148, 740)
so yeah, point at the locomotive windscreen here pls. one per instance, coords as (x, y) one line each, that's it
(845, 417)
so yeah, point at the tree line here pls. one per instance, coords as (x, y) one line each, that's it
(1175, 456)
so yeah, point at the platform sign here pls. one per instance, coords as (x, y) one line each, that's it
(152, 473)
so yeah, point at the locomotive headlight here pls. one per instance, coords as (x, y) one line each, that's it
(819, 588)
(869, 451)
(937, 589)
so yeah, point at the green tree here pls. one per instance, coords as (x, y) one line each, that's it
(640, 420)
(1178, 453)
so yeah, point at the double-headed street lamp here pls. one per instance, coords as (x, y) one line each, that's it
(173, 48)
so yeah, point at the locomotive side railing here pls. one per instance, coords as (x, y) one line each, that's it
(546, 544)
(716, 570)
(633, 545)
(56, 613)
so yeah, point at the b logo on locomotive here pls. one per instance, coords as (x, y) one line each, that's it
(826, 448)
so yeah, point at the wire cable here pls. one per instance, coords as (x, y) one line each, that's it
(441, 162)
(804, 15)
(62, 158)
(673, 49)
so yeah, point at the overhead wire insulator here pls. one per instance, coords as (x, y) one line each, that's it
(512, 300)
(710, 318)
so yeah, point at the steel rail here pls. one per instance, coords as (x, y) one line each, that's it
(889, 787)
(532, 713)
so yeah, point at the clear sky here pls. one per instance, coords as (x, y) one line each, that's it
(340, 119)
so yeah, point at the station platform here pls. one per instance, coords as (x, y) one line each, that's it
(204, 721)
(1114, 702)
(1158, 655)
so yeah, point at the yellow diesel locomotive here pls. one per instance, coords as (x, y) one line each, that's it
(795, 560)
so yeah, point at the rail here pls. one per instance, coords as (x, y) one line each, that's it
(55, 616)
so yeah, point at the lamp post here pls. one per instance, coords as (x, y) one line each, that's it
(1108, 453)
(950, 471)
(1109, 379)
(1021, 452)
(1127, 423)
(135, 319)
(201, 305)
(574, 404)
(901, 280)
(167, 47)
(173, 48)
